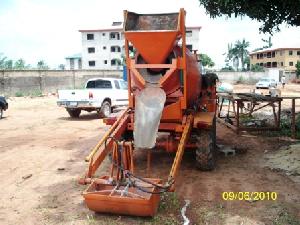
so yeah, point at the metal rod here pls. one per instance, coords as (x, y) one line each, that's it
(107, 134)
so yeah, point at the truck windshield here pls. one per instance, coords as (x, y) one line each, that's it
(123, 84)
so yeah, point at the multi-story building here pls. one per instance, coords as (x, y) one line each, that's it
(282, 58)
(104, 48)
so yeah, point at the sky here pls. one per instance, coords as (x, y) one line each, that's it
(48, 29)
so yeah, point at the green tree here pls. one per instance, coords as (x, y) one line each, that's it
(206, 60)
(2, 61)
(298, 69)
(247, 62)
(268, 43)
(231, 56)
(237, 53)
(41, 65)
(8, 65)
(20, 65)
(61, 67)
(271, 13)
(241, 49)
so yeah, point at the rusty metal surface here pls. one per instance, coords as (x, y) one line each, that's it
(106, 198)
(142, 22)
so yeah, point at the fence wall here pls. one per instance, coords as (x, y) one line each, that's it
(48, 81)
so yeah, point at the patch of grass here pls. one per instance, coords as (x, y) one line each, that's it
(285, 128)
(211, 214)
(165, 220)
(169, 201)
(284, 217)
(19, 94)
(36, 93)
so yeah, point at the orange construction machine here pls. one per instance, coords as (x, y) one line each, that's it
(167, 95)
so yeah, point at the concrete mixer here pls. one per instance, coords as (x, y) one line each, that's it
(171, 106)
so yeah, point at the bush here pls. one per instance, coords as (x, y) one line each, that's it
(249, 81)
(19, 94)
(36, 93)
(285, 125)
(257, 68)
(227, 69)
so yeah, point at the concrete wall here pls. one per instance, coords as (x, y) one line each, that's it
(252, 77)
(46, 81)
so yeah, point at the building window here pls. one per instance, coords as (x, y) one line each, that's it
(261, 56)
(298, 52)
(103, 34)
(104, 47)
(265, 55)
(273, 54)
(190, 47)
(281, 64)
(274, 64)
(189, 33)
(115, 62)
(92, 63)
(90, 36)
(72, 64)
(114, 36)
(268, 64)
(290, 52)
(291, 63)
(79, 64)
(115, 49)
(257, 56)
(105, 61)
(261, 64)
(269, 55)
(91, 50)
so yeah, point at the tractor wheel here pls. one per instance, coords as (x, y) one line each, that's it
(206, 149)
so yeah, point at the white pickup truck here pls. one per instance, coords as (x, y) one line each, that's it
(100, 94)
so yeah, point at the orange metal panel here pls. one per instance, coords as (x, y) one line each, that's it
(153, 46)
(172, 112)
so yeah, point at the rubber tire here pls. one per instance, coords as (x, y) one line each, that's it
(1, 112)
(206, 150)
(74, 113)
(105, 112)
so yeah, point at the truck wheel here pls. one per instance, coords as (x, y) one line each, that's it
(105, 109)
(206, 149)
(74, 113)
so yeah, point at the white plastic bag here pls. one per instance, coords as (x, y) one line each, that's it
(149, 104)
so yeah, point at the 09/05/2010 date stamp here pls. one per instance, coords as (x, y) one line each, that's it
(249, 196)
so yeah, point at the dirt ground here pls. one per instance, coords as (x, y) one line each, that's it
(42, 154)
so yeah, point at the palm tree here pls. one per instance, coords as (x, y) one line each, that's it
(241, 50)
(232, 56)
